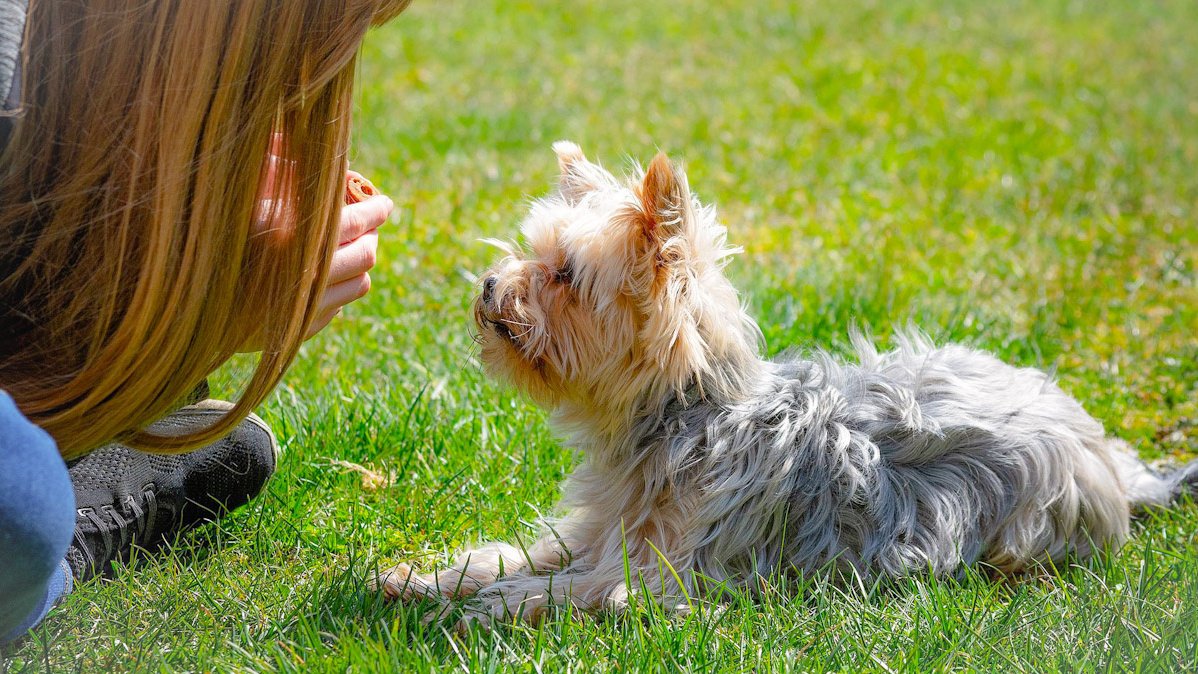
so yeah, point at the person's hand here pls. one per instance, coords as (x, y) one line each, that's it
(349, 272)
(349, 275)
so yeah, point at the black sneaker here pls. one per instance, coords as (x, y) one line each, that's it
(126, 498)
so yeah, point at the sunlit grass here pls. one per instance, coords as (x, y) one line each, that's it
(1019, 176)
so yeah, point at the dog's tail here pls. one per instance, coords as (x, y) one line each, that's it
(1147, 487)
(1183, 481)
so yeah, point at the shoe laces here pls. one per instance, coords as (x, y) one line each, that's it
(119, 530)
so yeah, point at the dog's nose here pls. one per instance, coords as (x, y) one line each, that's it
(489, 289)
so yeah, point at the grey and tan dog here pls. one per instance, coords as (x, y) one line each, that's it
(700, 455)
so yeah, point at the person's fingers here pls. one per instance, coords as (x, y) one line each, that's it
(359, 218)
(354, 258)
(340, 294)
(322, 321)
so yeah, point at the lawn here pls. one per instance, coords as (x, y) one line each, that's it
(1019, 176)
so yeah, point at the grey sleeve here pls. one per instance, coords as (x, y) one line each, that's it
(12, 30)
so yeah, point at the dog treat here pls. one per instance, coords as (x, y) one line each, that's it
(358, 188)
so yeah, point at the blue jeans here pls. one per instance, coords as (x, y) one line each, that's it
(37, 520)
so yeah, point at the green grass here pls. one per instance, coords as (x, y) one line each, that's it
(1020, 176)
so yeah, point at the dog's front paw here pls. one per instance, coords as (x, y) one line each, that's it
(528, 600)
(489, 613)
(401, 583)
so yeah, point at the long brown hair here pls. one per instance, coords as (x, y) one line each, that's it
(131, 266)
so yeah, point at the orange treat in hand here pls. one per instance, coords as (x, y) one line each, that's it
(358, 188)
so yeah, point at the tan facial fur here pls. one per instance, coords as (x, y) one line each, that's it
(616, 295)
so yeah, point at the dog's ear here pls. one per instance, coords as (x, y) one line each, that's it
(578, 176)
(665, 199)
(568, 154)
(671, 334)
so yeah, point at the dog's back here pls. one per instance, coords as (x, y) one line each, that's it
(921, 459)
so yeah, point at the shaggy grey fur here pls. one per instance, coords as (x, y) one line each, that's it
(12, 26)
(922, 459)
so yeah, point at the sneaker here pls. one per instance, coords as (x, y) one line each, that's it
(126, 498)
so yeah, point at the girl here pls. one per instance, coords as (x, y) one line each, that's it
(171, 181)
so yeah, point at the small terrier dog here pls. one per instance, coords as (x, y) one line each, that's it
(704, 462)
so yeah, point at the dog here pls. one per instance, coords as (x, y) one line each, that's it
(705, 463)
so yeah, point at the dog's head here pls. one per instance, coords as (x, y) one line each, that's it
(617, 292)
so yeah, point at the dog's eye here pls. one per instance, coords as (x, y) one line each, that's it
(565, 273)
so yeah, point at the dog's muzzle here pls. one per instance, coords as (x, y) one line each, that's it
(487, 314)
